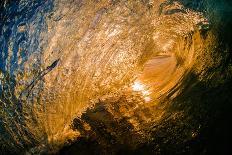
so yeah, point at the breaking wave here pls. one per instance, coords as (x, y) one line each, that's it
(120, 76)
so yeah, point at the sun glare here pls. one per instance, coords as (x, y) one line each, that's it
(139, 87)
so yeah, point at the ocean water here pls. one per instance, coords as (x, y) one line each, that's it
(115, 76)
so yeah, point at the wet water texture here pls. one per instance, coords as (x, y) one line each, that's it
(115, 77)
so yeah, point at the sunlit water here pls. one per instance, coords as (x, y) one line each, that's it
(60, 59)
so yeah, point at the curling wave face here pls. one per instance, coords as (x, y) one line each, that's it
(68, 66)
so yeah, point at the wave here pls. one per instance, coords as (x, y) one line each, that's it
(118, 76)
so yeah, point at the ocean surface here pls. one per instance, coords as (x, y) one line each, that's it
(115, 77)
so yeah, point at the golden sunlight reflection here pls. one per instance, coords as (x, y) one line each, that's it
(143, 89)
